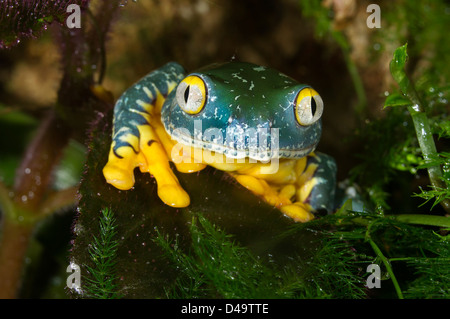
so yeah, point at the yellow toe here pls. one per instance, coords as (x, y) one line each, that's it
(297, 212)
(253, 184)
(173, 195)
(119, 178)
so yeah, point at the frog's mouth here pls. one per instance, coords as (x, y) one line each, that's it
(231, 148)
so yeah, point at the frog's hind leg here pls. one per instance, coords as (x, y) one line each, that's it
(315, 187)
(277, 188)
(299, 188)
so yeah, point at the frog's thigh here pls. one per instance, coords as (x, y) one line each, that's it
(157, 164)
(318, 182)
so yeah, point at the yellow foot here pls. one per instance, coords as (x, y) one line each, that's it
(119, 178)
(298, 212)
(173, 195)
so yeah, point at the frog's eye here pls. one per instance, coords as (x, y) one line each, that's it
(308, 106)
(191, 94)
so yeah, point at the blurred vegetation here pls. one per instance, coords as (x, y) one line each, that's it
(386, 96)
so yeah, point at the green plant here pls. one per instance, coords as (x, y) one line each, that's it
(102, 279)
(416, 107)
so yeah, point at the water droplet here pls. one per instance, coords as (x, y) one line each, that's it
(416, 107)
(27, 171)
(24, 198)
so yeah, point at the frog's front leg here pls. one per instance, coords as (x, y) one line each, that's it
(136, 142)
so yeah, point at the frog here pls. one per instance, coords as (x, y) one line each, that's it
(256, 124)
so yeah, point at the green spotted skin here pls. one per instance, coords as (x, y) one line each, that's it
(131, 107)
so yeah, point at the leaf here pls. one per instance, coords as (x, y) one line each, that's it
(443, 129)
(141, 265)
(396, 99)
(397, 67)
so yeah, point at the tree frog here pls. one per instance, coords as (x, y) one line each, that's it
(257, 124)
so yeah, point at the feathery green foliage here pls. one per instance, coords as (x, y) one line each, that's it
(433, 274)
(102, 280)
(438, 194)
(218, 267)
(412, 259)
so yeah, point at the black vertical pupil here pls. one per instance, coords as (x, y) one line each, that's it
(313, 106)
(186, 94)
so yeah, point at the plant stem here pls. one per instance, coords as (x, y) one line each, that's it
(388, 267)
(419, 117)
(13, 248)
(419, 219)
(428, 147)
(425, 138)
(21, 211)
(35, 172)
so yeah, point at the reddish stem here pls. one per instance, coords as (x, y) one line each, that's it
(32, 180)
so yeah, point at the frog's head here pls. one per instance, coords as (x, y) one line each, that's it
(244, 110)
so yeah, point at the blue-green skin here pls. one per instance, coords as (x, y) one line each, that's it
(243, 95)
(239, 95)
